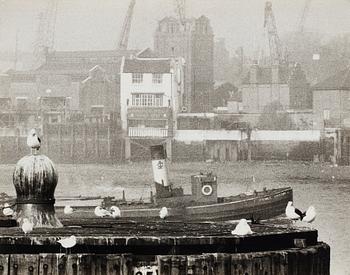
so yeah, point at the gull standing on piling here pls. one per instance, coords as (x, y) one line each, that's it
(33, 141)
(68, 242)
(163, 213)
(293, 213)
(7, 211)
(242, 228)
(27, 226)
(68, 210)
(101, 212)
(115, 211)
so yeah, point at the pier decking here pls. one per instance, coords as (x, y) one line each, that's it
(109, 246)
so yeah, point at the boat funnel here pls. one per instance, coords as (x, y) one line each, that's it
(160, 173)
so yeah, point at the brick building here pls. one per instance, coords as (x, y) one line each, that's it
(195, 43)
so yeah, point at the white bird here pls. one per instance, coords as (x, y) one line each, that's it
(115, 211)
(242, 228)
(7, 211)
(310, 215)
(68, 242)
(68, 210)
(163, 213)
(292, 213)
(27, 226)
(101, 212)
(33, 141)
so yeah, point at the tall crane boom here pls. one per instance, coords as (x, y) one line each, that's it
(124, 35)
(274, 40)
(181, 10)
(303, 16)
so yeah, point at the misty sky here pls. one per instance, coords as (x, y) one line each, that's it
(95, 24)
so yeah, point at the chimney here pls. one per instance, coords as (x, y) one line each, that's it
(160, 174)
(275, 74)
(253, 73)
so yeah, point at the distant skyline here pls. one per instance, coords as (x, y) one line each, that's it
(96, 24)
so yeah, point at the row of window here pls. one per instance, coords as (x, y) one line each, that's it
(138, 78)
(154, 100)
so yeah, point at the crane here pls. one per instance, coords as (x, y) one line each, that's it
(303, 16)
(181, 10)
(124, 35)
(274, 40)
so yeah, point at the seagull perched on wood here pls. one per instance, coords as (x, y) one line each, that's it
(27, 226)
(293, 213)
(115, 211)
(163, 213)
(7, 211)
(33, 141)
(68, 242)
(68, 210)
(101, 212)
(242, 228)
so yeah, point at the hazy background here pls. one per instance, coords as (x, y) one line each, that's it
(95, 24)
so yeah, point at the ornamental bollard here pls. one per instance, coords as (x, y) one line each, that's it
(35, 179)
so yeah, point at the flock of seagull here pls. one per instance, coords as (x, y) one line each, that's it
(242, 228)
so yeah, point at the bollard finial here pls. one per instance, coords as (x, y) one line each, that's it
(34, 142)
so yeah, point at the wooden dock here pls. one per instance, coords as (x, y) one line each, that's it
(109, 246)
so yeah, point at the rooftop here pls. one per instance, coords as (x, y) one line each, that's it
(147, 66)
(339, 81)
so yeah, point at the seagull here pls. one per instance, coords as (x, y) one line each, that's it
(7, 211)
(101, 212)
(163, 213)
(33, 141)
(68, 242)
(68, 210)
(295, 214)
(310, 215)
(27, 226)
(242, 228)
(115, 211)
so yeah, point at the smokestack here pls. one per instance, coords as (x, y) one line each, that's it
(160, 174)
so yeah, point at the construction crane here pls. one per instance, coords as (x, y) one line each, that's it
(124, 35)
(274, 40)
(181, 10)
(303, 16)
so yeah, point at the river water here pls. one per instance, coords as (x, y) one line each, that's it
(326, 187)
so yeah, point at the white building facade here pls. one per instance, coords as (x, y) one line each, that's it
(151, 95)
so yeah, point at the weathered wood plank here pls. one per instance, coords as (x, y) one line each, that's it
(24, 264)
(4, 264)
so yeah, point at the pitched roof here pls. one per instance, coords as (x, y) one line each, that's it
(264, 75)
(146, 66)
(339, 81)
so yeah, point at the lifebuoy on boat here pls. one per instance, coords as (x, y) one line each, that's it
(207, 190)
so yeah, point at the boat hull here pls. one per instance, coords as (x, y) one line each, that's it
(261, 205)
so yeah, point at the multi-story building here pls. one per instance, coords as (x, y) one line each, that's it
(195, 43)
(331, 101)
(151, 96)
(278, 84)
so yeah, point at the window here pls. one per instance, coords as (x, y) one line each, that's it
(157, 78)
(137, 78)
(144, 100)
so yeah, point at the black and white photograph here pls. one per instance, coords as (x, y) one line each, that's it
(174, 137)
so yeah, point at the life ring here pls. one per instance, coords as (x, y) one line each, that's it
(207, 190)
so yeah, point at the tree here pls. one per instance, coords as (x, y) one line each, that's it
(275, 118)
